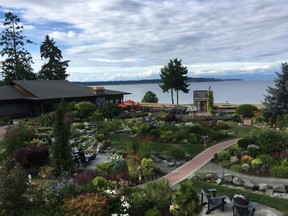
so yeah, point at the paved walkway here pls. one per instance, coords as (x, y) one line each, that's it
(188, 169)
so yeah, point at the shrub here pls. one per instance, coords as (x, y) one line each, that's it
(110, 110)
(84, 177)
(75, 126)
(13, 188)
(177, 153)
(153, 212)
(222, 125)
(31, 156)
(16, 137)
(85, 109)
(45, 172)
(246, 159)
(267, 159)
(144, 149)
(225, 163)
(236, 168)
(147, 165)
(271, 141)
(103, 184)
(120, 169)
(280, 171)
(139, 201)
(159, 193)
(223, 155)
(104, 168)
(253, 150)
(285, 162)
(186, 200)
(246, 110)
(244, 142)
(86, 204)
(133, 162)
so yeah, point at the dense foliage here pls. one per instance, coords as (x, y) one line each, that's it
(13, 188)
(246, 110)
(150, 97)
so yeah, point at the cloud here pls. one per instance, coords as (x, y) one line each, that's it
(129, 60)
(249, 34)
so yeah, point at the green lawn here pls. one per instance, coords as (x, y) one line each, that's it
(273, 202)
(239, 130)
(119, 142)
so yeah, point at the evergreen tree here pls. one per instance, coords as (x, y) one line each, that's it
(61, 151)
(166, 76)
(276, 102)
(174, 78)
(17, 65)
(54, 69)
(181, 78)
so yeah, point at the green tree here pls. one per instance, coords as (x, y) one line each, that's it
(17, 65)
(61, 151)
(180, 82)
(174, 77)
(150, 97)
(246, 110)
(54, 69)
(276, 102)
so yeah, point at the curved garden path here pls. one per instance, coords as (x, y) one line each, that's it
(187, 170)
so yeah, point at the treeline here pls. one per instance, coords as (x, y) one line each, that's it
(146, 81)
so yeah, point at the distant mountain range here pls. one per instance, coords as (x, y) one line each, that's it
(145, 81)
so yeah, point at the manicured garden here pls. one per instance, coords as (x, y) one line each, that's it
(45, 147)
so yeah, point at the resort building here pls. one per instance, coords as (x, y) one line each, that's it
(33, 97)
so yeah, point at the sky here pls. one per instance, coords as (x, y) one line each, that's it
(133, 39)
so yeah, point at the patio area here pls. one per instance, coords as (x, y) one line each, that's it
(261, 210)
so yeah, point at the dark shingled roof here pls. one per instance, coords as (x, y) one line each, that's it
(10, 93)
(49, 89)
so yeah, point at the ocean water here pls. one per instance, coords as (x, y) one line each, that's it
(233, 92)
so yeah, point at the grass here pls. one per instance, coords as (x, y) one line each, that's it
(273, 202)
(119, 142)
(239, 130)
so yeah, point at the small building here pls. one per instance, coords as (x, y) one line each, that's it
(33, 97)
(200, 100)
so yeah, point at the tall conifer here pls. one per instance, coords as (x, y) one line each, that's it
(17, 65)
(61, 151)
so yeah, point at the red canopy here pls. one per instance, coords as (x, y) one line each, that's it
(122, 105)
(129, 102)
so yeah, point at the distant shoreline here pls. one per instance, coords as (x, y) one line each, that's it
(147, 81)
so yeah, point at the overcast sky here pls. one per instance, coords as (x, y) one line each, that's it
(133, 39)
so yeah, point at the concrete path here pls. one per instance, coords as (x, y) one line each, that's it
(188, 169)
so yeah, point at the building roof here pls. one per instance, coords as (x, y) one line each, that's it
(10, 93)
(50, 89)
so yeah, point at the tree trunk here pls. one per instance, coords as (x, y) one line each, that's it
(177, 94)
(172, 98)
